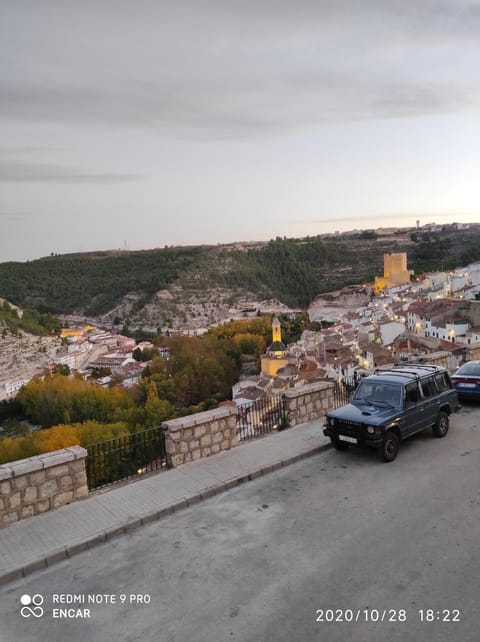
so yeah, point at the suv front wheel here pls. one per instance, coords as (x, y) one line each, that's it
(440, 427)
(389, 449)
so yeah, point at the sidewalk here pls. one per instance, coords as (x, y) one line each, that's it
(40, 541)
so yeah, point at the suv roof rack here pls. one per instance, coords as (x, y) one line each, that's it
(406, 370)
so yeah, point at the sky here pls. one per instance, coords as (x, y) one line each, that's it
(139, 124)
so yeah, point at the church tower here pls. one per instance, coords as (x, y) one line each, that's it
(276, 355)
(276, 331)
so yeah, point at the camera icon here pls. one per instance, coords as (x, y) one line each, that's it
(31, 605)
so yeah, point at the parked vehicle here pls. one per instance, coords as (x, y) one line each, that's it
(391, 405)
(467, 380)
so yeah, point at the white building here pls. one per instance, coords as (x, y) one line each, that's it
(390, 330)
(12, 387)
(450, 332)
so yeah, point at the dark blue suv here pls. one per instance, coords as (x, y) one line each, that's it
(391, 405)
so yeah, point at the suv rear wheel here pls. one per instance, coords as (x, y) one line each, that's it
(389, 449)
(440, 428)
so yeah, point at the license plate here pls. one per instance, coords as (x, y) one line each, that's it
(467, 385)
(351, 440)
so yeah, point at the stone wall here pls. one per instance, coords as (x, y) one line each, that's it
(37, 484)
(472, 352)
(308, 403)
(440, 358)
(200, 435)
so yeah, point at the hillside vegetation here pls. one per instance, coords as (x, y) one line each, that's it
(30, 321)
(293, 271)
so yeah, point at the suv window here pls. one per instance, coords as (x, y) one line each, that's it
(442, 381)
(378, 392)
(428, 387)
(412, 393)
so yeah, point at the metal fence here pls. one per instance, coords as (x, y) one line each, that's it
(343, 391)
(261, 417)
(124, 457)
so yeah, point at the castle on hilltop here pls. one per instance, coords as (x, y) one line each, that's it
(394, 271)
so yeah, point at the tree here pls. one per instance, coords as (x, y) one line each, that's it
(62, 369)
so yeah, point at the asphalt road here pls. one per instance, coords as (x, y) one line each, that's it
(340, 536)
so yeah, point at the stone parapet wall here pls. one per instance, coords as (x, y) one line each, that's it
(37, 484)
(440, 358)
(472, 352)
(308, 403)
(200, 435)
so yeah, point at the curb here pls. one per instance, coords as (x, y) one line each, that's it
(59, 555)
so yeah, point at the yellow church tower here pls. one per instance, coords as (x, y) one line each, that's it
(276, 355)
(276, 331)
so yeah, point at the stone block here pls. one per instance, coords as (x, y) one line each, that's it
(217, 438)
(199, 431)
(206, 440)
(5, 472)
(215, 448)
(177, 460)
(76, 466)
(25, 466)
(57, 471)
(78, 452)
(5, 488)
(19, 483)
(65, 482)
(188, 433)
(183, 447)
(227, 432)
(81, 492)
(10, 518)
(188, 457)
(43, 505)
(80, 479)
(206, 451)
(48, 488)
(28, 511)
(2, 504)
(56, 458)
(194, 444)
(62, 498)
(188, 422)
(30, 494)
(225, 444)
(37, 478)
(196, 454)
(14, 500)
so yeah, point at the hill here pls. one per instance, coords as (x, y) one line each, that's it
(201, 284)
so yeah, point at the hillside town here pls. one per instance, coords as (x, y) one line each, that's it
(434, 318)
(398, 318)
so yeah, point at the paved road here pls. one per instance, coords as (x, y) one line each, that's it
(262, 562)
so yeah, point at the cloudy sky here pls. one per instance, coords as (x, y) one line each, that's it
(139, 124)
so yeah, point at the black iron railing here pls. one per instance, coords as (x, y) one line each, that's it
(261, 417)
(343, 391)
(124, 457)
